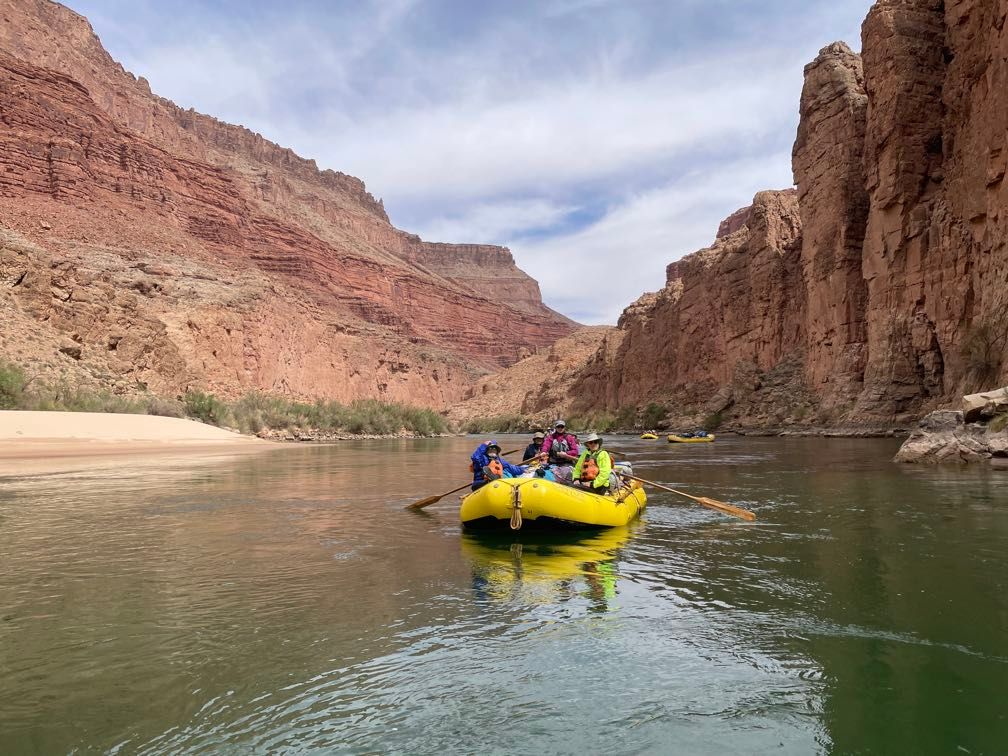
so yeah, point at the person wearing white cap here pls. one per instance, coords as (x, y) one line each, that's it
(593, 470)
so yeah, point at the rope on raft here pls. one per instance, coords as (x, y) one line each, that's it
(516, 515)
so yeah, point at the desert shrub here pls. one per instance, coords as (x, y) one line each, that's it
(12, 385)
(256, 411)
(654, 415)
(999, 423)
(496, 424)
(626, 418)
(599, 422)
(165, 407)
(983, 347)
(205, 407)
(713, 421)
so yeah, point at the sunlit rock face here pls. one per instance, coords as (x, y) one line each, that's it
(162, 247)
(879, 291)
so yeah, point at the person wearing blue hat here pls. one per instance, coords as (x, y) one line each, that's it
(486, 464)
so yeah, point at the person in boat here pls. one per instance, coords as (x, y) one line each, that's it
(532, 450)
(594, 468)
(561, 450)
(487, 464)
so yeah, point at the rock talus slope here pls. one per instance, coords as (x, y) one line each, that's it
(880, 291)
(147, 245)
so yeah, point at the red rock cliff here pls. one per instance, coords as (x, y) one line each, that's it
(173, 250)
(881, 290)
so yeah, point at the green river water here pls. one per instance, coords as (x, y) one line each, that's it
(286, 603)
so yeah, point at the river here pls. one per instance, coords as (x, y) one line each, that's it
(288, 603)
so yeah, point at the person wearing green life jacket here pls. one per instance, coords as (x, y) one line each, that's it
(593, 470)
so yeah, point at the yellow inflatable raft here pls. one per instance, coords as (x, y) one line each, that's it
(649, 436)
(536, 503)
(674, 439)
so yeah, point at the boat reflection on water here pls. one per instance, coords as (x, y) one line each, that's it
(549, 569)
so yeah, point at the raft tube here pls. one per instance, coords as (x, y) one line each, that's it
(536, 503)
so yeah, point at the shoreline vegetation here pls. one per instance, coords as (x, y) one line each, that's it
(255, 414)
(282, 419)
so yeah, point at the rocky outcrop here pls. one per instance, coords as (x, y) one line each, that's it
(986, 406)
(213, 258)
(889, 297)
(538, 387)
(947, 436)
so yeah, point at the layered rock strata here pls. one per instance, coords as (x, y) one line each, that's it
(881, 290)
(211, 257)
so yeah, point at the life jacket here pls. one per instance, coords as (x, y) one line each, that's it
(590, 470)
(560, 444)
(496, 469)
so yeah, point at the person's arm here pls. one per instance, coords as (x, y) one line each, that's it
(547, 445)
(574, 451)
(604, 470)
(515, 470)
(479, 459)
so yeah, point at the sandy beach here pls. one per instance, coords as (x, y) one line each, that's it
(40, 442)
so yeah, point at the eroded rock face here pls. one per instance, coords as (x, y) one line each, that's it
(722, 309)
(258, 270)
(891, 291)
(827, 161)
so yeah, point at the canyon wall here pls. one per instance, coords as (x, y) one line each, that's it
(149, 246)
(880, 290)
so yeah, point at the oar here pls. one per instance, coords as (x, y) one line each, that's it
(432, 499)
(721, 506)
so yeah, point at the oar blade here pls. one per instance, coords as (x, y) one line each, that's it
(425, 502)
(745, 514)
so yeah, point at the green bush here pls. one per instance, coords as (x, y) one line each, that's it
(256, 411)
(165, 407)
(250, 414)
(654, 415)
(12, 385)
(599, 422)
(626, 418)
(496, 424)
(999, 423)
(205, 407)
(713, 421)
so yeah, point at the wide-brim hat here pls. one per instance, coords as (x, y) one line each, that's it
(538, 435)
(592, 437)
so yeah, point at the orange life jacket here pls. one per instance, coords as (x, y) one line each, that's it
(496, 468)
(589, 470)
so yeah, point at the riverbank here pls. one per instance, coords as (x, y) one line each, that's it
(52, 441)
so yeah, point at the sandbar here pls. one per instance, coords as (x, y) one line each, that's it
(42, 442)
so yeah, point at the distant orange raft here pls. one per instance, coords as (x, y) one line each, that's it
(536, 503)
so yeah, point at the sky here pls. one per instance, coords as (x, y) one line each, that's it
(599, 139)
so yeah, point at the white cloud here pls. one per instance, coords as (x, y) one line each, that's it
(556, 133)
(593, 273)
(494, 222)
(503, 122)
